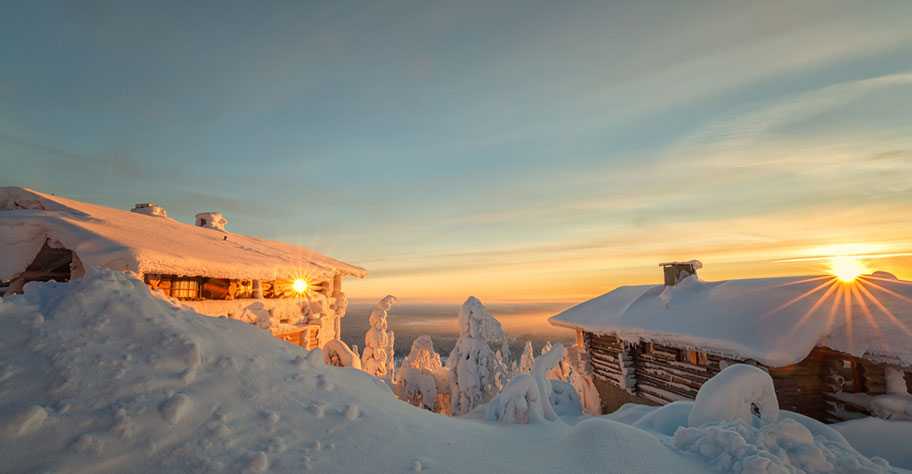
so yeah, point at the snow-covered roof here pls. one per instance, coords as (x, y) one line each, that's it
(125, 240)
(775, 321)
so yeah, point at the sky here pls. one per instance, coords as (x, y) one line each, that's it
(507, 150)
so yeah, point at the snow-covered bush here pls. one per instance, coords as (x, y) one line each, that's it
(422, 376)
(377, 358)
(527, 398)
(472, 362)
(337, 354)
(543, 364)
(520, 402)
(739, 392)
(527, 359)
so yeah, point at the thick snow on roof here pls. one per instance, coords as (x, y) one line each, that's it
(775, 321)
(125, 240)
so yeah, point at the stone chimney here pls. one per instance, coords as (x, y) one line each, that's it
(149, 209)
(677, 271)
(212, 220)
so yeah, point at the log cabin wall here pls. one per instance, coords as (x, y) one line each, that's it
(611, 360)
(828, 386)
(665, 374)
(800, 387)
(849, 382)
(612, 367)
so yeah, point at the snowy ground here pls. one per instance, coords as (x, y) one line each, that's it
(100, 375)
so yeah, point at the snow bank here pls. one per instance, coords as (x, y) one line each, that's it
(775, 321)
(783, 447)
(721, 429)
(891, 440)
(100, 375)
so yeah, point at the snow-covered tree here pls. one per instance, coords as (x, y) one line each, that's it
(527, 359)
(472, 362)
(562, 371)
(422, 376)
(581, 379)
(502, 372)
(377, 358)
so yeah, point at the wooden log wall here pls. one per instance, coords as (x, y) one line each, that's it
(842, 406)
(662, 374)
(611, 360)
(661, 377)
(800, 387)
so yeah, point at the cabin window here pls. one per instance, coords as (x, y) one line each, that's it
(645, 348)
(215, 288)
(185, 288)
(692, 357)
(243, 289)
(853, 382)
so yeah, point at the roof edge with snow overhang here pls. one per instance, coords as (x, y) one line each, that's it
(130, 241)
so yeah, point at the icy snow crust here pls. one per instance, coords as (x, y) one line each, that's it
(758, 319)
(124, 240)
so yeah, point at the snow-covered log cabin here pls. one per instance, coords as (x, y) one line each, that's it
(292, 291)
(836, 350)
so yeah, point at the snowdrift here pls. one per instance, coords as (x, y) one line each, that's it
(100, 375)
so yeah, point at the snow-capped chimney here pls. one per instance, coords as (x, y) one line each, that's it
(149, 209)
(677, 271)
(212, 220)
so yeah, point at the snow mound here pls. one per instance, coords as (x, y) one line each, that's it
(738, 392)
(786, 446)
(101, 375)
(337, 354)
(564, 399)
(888, 439)
(607, 444)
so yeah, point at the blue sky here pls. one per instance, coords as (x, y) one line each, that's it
(505, 149)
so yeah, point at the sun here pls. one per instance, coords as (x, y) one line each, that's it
(300, 286)
(847, 269)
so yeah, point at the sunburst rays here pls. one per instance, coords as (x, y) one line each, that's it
(858, 299)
